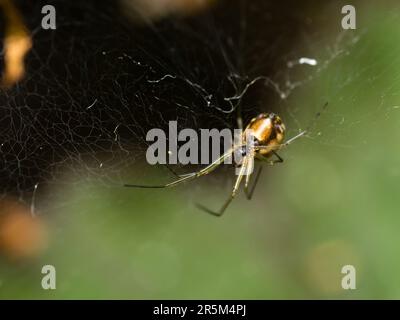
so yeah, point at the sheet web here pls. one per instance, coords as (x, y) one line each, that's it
(95, 86)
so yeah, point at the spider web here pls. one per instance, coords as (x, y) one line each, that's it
(97, 84)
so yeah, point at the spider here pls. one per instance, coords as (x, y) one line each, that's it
(268, 133)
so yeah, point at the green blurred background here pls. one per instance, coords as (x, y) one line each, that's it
(333, 202)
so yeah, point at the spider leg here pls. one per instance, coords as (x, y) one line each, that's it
(280, 146)
(279, 158)
(173, 171)
(290, 141)
(189, 176)
(271, 162)
(239, 120)
(249, 193)
(239, 179)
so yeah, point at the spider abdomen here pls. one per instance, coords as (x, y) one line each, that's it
(268, 130)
